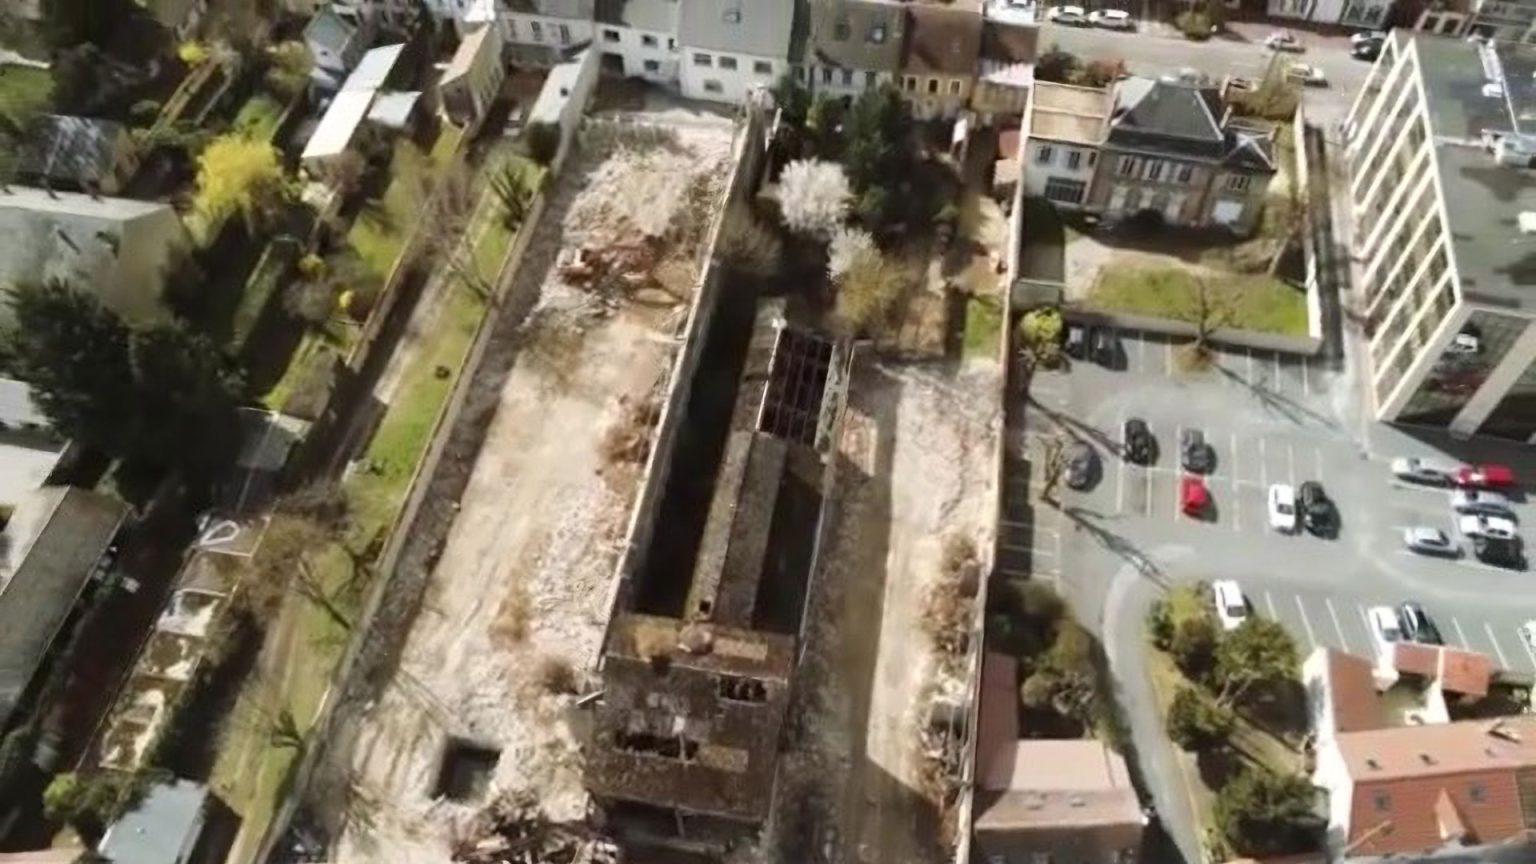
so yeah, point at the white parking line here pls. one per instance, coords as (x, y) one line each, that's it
(1306, 383)
(1306, 622)
(1317, 462)
(1168, 358)
(1503, 661)
(1290, 464)
(1263, 466)
(1148, 499)
(1270, 602)
(1461, 635)
(1249, 352)
(1277, 371)
(1337, 628)
(1235, 473)
(1365, 619)
(1528, 652)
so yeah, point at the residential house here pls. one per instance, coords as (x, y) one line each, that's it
(115, 248)
(638, 38)
(337, 38)
(54, 542)
(565, 95)
(368, 105)
(939, 59)
(81, 154)
(473, 78)
(538, 32)
(732, 47)
(854, 45)
(171, 824)
(1065, 127)
(1173, 148)
(1005, 72)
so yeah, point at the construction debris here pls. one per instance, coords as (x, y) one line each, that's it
(513, 830)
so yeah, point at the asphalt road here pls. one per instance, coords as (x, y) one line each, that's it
(1270, 419)
(1156, 50)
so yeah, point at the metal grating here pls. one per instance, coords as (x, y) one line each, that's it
(797, 381)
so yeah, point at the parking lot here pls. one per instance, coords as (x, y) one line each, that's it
(1268, 419)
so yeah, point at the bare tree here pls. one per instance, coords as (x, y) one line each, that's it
(1053, 464)
(448, 223)
(1209, 310)
(345, 172)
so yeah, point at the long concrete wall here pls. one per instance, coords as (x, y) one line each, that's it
(751, 148)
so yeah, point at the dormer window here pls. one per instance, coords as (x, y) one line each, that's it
(877, 34)
(732, 16)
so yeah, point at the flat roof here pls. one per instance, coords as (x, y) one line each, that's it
(1062, 112)
(352, 103)
(1495, 261)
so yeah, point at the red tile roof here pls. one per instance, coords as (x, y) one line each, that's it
(1458, 671)
(1352, 692)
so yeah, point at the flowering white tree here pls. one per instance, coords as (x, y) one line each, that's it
(814, 196)
(848, 247)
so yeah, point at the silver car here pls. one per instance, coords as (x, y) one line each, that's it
(1481, 501)
(1429, 541)
(1418, 471)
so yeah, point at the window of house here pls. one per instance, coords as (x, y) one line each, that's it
(1093, 157)
(652, 66)
(732, 16)
(1044, 155)
(840, 30)
(871, 79)
(1132, 199)
(1383, 802)
(1074, 159)
(1477, 792)
(565, 34)
(538, 31)
(762, 67)
(826, 74)
(954, 87)
(648, 41)
(728, 63)
(847, 77)
(877, 34)
(1128, 165)
(713, 87)
(933, 85)
(511, 29)
(1186, 174)
(1155, 170)
(1065, 191)
(703, 60)
(610, 35)
(911, 83)
(671, 44)
(1237, 182)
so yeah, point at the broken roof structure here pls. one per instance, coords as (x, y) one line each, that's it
(693, 703)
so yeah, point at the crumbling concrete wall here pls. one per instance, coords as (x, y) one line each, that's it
(751, 150)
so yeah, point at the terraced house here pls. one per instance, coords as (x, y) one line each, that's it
(731, 47)
(638, 39)
(938, 64)
(854, 45)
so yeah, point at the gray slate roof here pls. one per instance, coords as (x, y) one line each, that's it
(578, 9)
(1164, 116)
(157, 830)
(47, 552)
(857, 34)
(74, 151)
(942, 40)
(655, 15)
(760, 28)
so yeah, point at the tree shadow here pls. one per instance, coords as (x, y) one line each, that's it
(1277, 402)
(1076, 428)
(1087, 520)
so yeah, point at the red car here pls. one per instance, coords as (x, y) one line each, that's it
(1485, 476)
(1193, 497)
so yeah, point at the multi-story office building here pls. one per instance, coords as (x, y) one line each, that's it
(1441, 143)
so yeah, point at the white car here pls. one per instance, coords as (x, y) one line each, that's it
(1528, 633)
(1111, 19)
(1308, 76)
(1282, 508)
(1282, 40)
(1365, 36)
(1419, 471)
(1073, 15)
(1483, 525)
(1481, 501)
(1384, 626)
(1430, 541)
(1231, 607)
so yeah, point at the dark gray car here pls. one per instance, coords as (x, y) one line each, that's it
(1080, 462)
(1194, 453)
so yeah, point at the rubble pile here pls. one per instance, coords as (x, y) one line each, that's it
(513, 830)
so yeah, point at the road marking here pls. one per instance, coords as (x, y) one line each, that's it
(1249, 352)
(1337, 627)
(1461, 634)
(1235, 473)
(1306, 383)
(1263, 466)
(1277, 371)
(1375, 645)
(1528, 652)
(1270, 602)
(1148, 498)
(1503, 661)
(1168, 358)
(1306, 622)
(1177, 504)
(1317, 462)
(1290, 464)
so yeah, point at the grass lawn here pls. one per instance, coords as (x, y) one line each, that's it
(983, 326)
(259, 116)
(380, 231)
(1253, 302)
(24, 90)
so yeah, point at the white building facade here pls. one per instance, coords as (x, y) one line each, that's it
(638, 39)
(730, 48)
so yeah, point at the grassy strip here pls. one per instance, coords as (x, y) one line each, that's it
(24, 90)
(258, 117)
(983, 326)
(1251, 302)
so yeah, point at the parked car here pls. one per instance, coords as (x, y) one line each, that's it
(1305, 75)
(1283, 40)
(1080, 461)
(1369, 49)
(1102, 343)
(1140, 446)
(1416, 625)
(1318, 515)
(1528, 633)
(1484, 476)
(1112, 19)
(1384, 626)
(1430, 541)
(1483, 525)
(1194, 453)
(1282, 508)
(1419, 471)
(1480, 501)
(1231, 606)
(1365, 36)
(1070, 15)
(1076, 343)
(1194, 498)
(1499, 553)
